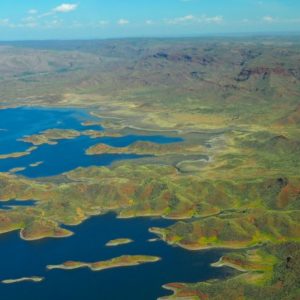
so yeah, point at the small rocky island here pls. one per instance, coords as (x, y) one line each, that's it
(118, 242)
(121, 261)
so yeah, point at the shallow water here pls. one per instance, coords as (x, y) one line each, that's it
(20, 258)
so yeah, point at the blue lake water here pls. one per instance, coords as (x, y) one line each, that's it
(20, 258)
(67, 154)
(15, 203)
(18, 122)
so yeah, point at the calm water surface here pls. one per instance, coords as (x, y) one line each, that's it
(67, 154)
(19, 258)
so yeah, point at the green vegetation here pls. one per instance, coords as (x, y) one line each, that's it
(148, 148)
(52, 136)
(274, 275)
(234, 101)
(117, 262)
(17, 154)
(239, 229)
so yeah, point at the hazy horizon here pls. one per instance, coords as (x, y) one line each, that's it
(233, 35)
(91, 19)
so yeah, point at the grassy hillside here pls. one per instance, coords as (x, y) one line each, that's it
(233, 183)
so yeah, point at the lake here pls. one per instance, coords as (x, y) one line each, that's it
(67, 154)
(19, 258)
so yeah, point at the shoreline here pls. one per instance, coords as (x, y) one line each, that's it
(34, 279)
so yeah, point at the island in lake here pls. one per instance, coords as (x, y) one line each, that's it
(23, 279)
(118, 242)
(122, 261)
(193, 142)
